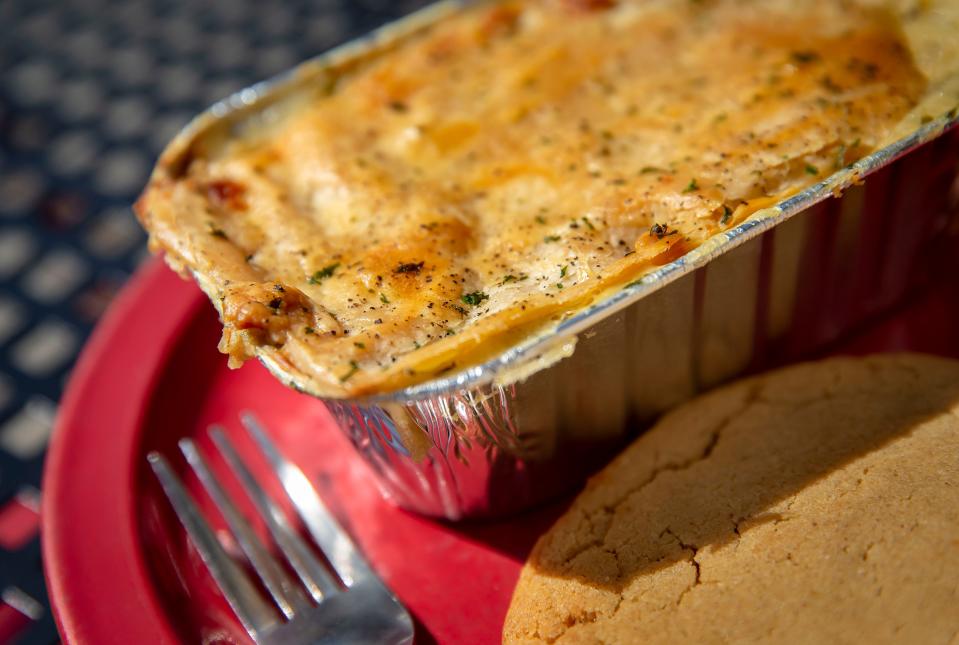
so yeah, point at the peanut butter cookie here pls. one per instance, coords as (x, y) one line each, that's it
(818, 503)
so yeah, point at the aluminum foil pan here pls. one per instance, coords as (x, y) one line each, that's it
(534, 421)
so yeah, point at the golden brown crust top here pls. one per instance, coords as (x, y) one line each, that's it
(813, 504)
(510, 165)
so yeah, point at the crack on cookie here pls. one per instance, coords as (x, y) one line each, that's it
(693, 551)
(596, 542)
(582, 618)
(619, 603)
(592, 519)
(575, 553)
(619, 567)
(751, 398)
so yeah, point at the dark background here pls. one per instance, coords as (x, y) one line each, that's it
(90, 92)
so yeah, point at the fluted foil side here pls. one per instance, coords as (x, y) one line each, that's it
(492, 450)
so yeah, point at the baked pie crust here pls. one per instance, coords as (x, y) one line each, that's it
(471, 184)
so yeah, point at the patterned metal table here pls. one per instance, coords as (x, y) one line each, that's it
(90, 91)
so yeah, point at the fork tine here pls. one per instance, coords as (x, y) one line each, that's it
(326, 531)
(308, 568)
(286, 594)
(255, 614)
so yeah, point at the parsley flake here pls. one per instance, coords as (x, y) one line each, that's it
(727, 214)
(322, 274)
(475, 298)
(354, 368)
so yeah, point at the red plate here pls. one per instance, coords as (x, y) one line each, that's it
(119, 568)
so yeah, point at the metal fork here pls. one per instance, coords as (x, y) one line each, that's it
(352, 606)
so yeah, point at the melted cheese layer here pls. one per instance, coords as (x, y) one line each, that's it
(512, 163)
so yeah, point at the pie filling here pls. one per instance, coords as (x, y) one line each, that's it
(510, 165)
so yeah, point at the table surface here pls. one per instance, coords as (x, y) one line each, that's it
(90, 91)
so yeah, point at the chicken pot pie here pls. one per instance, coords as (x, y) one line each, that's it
(423, 206)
